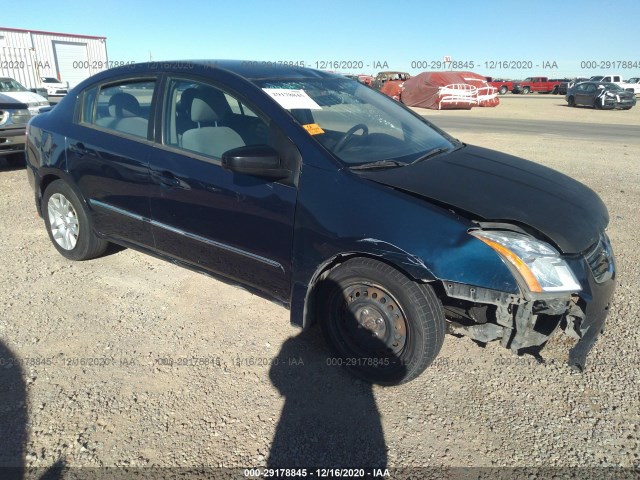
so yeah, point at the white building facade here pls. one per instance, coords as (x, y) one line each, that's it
(28, 55)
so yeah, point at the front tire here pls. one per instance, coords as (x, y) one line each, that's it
(571, 101)
(503, 90)
(384, 327)
(68, 225)
(526, 90)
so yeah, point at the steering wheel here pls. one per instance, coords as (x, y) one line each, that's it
(349, 135)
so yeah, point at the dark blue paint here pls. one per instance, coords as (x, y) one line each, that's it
(325, 212)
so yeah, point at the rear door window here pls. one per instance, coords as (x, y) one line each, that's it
(124, 107)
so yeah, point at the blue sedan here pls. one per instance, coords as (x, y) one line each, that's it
(324, 195)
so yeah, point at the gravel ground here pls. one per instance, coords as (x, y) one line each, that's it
(130, 361)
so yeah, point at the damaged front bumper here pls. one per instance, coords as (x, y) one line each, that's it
(524, 322)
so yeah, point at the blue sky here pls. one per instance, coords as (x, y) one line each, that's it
(392, 31)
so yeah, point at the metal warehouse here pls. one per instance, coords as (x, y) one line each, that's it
(28, 55)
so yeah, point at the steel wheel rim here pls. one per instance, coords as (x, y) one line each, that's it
(381, 328)
(63, 221)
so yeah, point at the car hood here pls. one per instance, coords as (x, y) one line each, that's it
(493, 186)
(29, 98)
(9, 102)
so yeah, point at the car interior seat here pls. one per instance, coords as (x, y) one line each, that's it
(208, 137)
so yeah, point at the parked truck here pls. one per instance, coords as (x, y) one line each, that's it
(503, 86)
(617, 79)
(537, 84)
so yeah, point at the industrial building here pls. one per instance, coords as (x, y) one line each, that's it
(29, 55)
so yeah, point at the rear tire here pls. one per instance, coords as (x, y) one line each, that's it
(68, 225)
(382, 326)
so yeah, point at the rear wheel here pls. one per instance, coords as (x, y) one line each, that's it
(68, 224)
(597, 104)
(383, 327)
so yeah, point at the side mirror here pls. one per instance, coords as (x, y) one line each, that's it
(258, 160)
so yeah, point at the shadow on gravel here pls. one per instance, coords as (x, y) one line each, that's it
(13, 423)
(330, 418)
(13, 414)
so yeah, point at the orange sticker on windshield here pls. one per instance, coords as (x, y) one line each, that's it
(313, 129)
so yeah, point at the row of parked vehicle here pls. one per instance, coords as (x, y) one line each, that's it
(600, 91)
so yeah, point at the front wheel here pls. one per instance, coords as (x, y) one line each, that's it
(526, 90)
(571, 101)
(383, 327)
(503, 90)
(68, 224)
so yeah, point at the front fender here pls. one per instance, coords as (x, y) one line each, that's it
(340, 215)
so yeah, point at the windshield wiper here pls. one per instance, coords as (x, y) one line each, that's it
(430, 153)
(378, 164)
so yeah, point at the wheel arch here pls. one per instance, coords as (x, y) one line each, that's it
(303, 312)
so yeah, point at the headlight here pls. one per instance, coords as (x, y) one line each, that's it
(14, 117)
(538, 263)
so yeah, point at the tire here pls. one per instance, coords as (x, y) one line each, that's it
(503, 90)
(71, 233)
(571, 101)
(526, 90)
(597, 104)
(555, 90)
(407, 318)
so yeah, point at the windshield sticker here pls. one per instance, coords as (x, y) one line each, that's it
(313, 129)
(289, 99)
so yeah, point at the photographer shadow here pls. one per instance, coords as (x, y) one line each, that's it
(14, 416)
(330, 419)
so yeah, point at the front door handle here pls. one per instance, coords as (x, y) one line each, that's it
(78, 148)
(166, 179)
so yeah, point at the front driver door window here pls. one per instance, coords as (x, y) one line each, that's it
(240, 226)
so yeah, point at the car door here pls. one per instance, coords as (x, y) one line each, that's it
(107, 156)
(239, 226)
(581, 96)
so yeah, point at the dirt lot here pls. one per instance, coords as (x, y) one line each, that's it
(130, 361)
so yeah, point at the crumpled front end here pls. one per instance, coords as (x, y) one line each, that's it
(526, 321)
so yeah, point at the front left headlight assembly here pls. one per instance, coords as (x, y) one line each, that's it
(539, 265)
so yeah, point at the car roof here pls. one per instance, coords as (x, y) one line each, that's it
(249, 69)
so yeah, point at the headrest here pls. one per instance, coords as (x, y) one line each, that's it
(122, 105)
(201, 111)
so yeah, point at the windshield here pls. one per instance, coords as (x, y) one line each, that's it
(355, 123)
(596, 78)
(50, 80)
(633, 80)
(10, 85)
(611, 86)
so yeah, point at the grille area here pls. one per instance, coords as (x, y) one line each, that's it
(600, 260)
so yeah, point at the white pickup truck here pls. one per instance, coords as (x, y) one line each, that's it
(635, 83)
(617, 79)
